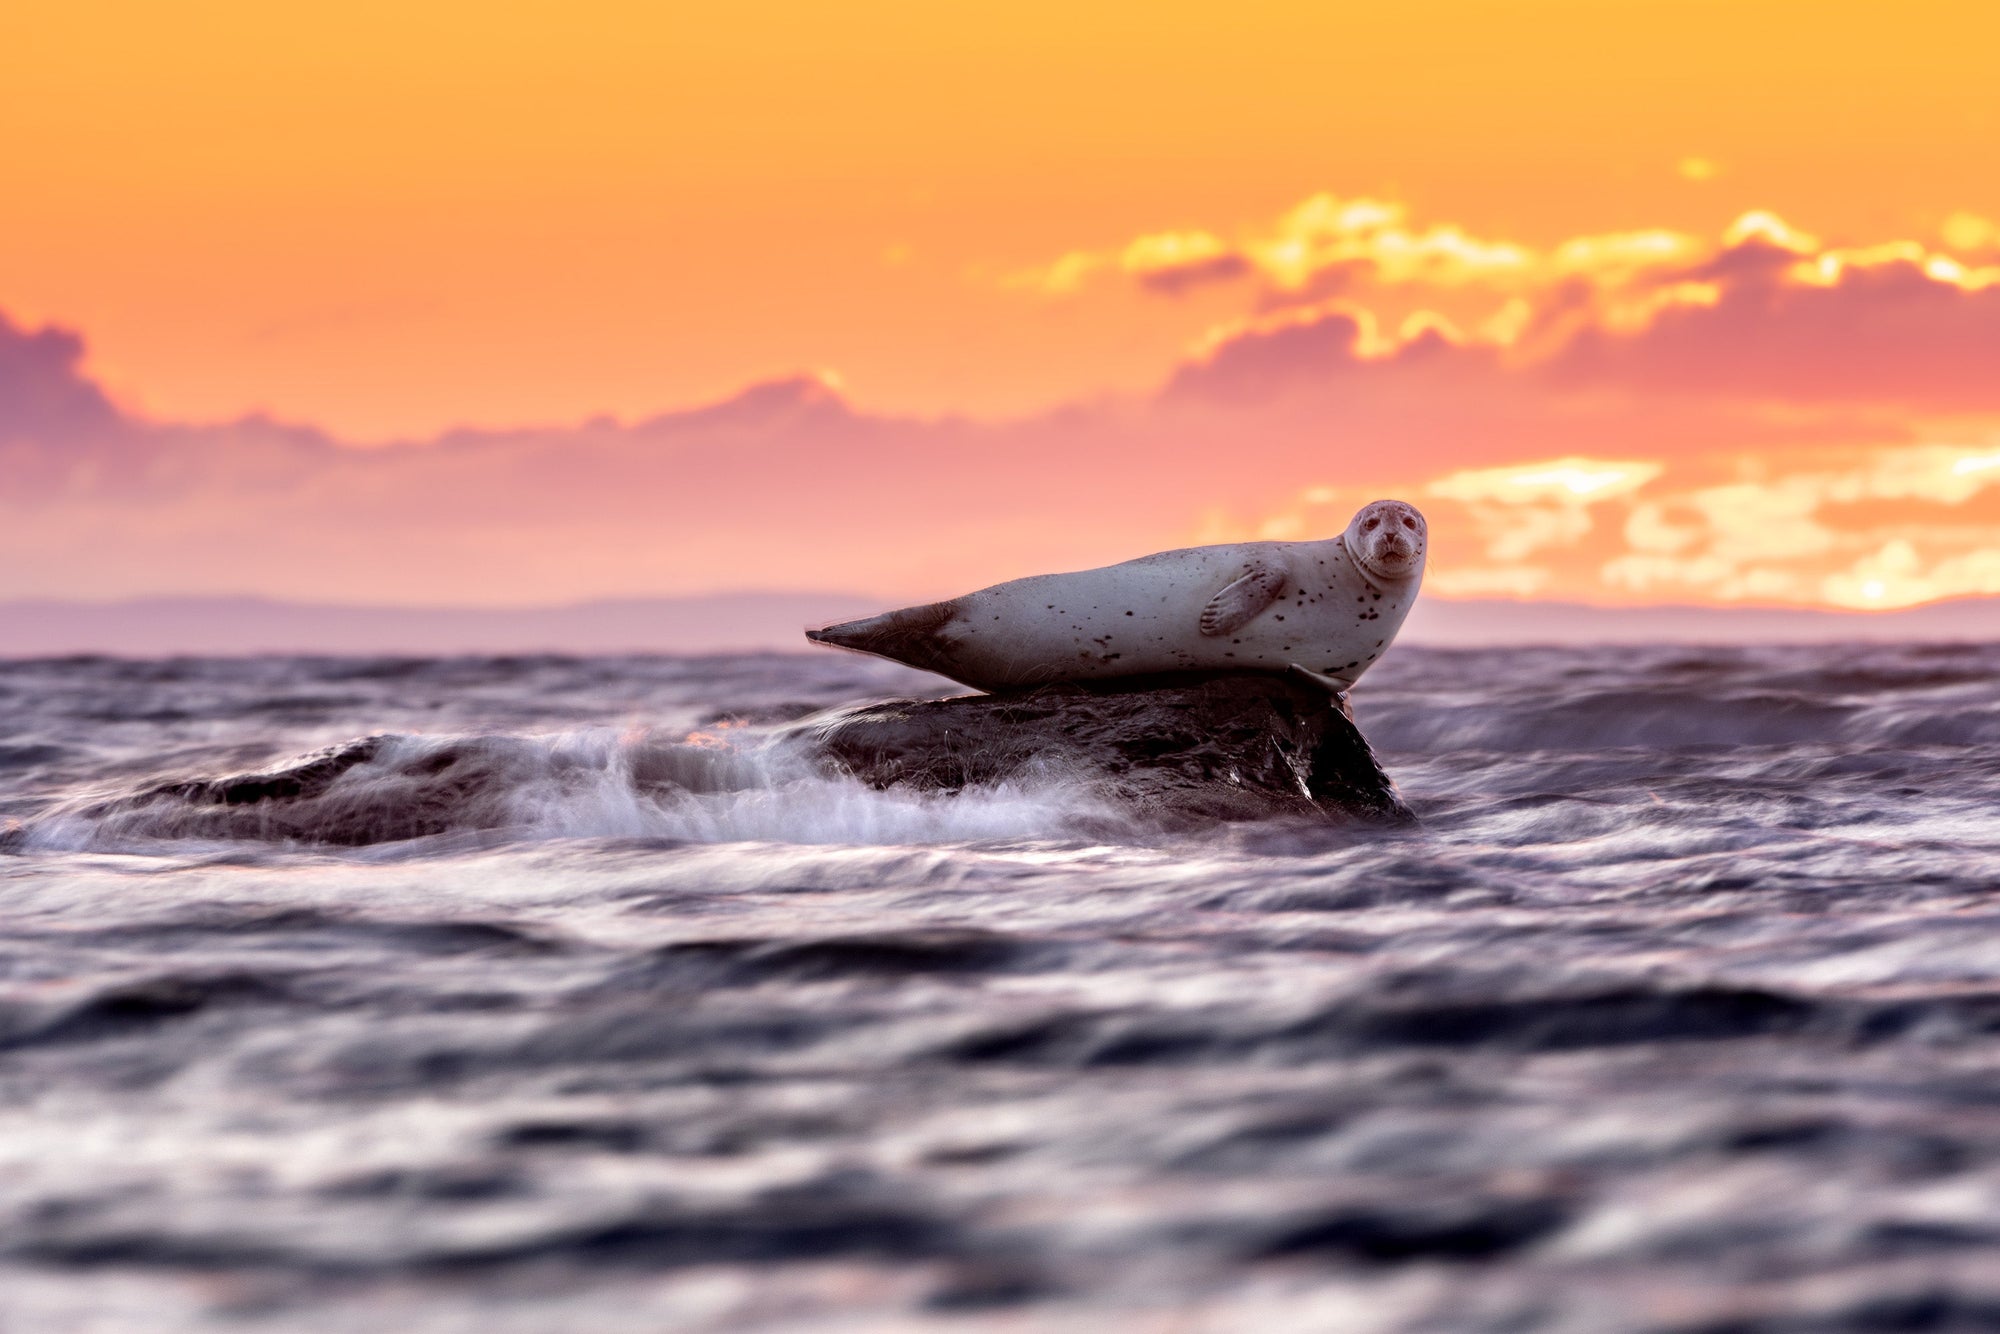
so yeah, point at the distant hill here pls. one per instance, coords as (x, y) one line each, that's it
(762, 621)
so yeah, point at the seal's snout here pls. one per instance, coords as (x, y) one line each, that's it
(1392, 552)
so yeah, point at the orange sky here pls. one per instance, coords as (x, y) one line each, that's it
(390, 218)
(384, 221)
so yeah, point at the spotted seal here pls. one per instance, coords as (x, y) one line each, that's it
(1327, 609)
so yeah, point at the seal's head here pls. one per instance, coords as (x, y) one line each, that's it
(1387, 538)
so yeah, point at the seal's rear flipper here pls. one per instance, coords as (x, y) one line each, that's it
(883, 634)
(844, 635)
(909, 635)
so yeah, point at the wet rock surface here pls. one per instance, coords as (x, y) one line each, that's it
(376, 789)
(1234, 746)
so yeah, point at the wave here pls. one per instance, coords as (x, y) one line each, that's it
(595, 783)
(1658, 720)
(1606, 719)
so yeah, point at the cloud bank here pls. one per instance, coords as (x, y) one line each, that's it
(1650, 416)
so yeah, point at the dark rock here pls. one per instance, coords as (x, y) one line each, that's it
(306, 776)
(1234, 746)
(1173, 752)
(407, 789)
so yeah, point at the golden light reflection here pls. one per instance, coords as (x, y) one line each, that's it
(1971, 233)
(1770, 229)
(1503, 291)
(1164, 251)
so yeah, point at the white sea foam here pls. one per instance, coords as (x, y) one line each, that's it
(590, 783)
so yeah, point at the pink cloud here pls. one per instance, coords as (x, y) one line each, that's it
(1318, 349)
(785, 485)
(1776, 326)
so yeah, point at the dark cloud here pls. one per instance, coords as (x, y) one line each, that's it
(44, 396)
(61, 435)
(1752, 262)
(1180, 279)
(1312, 354)
(1272, 358)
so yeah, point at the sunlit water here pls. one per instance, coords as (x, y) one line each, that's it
(1680, 1011)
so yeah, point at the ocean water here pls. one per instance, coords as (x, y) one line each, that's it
(580, 1003)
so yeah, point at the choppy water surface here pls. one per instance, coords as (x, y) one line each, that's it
(1681, 1011)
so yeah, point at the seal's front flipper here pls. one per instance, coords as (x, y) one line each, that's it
(1241, 601)
(1332, 685)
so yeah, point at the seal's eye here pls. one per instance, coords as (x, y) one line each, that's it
(1369, 527)
(1410, 524)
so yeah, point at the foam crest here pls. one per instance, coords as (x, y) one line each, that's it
(595, 783)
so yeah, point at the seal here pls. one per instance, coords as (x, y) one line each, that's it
(1325, 609)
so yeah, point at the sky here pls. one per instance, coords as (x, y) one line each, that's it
(1661, 301)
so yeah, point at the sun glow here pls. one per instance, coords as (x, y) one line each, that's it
(1577, 479)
